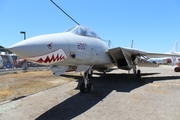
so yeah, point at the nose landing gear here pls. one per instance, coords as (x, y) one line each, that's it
(86, 86)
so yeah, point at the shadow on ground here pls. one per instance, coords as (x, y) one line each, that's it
(103, 85)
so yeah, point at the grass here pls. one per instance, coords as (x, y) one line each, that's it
(20, 84)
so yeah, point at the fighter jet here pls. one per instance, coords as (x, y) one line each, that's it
(167, 60)
(80, 49)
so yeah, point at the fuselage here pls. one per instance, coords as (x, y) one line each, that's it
(63, 49)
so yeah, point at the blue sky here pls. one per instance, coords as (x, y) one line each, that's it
(154, 25)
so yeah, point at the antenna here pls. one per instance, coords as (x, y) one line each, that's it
(132, 43)
(108, 42)
(64, 12)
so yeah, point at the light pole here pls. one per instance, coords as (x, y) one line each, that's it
(25, 62)
(23, 32)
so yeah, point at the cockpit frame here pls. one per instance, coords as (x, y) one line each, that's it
(82, 30)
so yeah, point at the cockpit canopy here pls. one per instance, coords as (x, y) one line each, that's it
(82, 30)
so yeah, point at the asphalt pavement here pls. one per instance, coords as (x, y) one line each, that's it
(117, 96)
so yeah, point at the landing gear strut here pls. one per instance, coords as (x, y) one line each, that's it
(86, 86)
(138, 72)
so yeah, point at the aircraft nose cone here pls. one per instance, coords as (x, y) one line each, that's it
(19, 49)
(39, 45)
(29, 47)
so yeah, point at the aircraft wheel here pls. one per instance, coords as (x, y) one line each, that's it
(82, 88)
(139, 73)
(176, 69)
(90, 88)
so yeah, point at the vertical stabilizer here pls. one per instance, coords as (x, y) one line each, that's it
(175, 48)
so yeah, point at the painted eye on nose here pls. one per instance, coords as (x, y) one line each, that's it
(50, 45)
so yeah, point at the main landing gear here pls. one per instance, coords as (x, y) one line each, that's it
(137, 72)
(86, 86)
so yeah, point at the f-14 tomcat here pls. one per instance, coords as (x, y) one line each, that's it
(81, 49)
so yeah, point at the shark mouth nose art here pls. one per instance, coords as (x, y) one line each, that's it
(50, 58)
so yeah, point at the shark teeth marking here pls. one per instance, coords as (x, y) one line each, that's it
(50, 58)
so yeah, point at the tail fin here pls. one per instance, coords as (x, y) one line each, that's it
(175, 48)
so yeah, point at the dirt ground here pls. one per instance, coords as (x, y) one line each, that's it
(18, 84)
(117, 95)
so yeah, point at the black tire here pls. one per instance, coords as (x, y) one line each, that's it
(176, 69)
(90, 88)
(139, 73)
(82, 88)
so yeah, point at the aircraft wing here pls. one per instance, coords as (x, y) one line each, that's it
(126, 58)
(152, 55)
